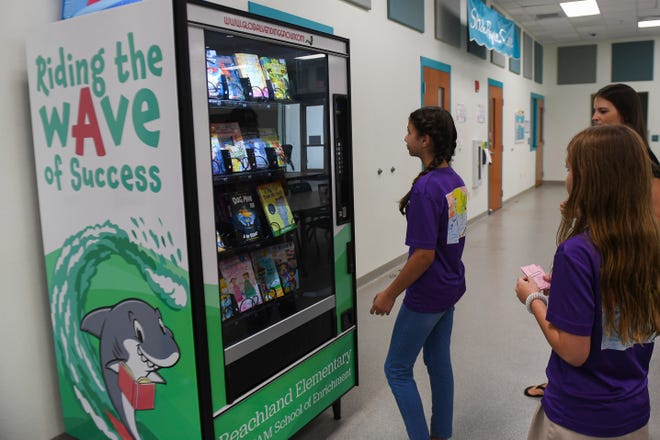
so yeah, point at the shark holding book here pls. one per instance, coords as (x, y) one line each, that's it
(134, 344)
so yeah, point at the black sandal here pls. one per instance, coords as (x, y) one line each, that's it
(540, 389)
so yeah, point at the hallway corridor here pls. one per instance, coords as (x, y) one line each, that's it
(497, 348)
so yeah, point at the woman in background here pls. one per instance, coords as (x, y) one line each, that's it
(619, 104)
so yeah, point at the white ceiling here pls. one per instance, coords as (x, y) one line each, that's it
(546, 22)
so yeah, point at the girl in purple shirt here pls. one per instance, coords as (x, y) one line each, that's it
(433, 277)
(605, 307)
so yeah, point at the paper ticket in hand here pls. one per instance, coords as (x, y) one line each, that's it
(535, 272)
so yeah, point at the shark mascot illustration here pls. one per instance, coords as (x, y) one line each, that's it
(134, 343)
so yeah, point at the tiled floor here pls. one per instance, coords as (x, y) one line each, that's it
(497, 348)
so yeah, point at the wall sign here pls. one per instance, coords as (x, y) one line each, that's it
(488, 28)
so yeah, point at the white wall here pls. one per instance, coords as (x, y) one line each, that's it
(568, 106)
(385, 66)
(29, 399)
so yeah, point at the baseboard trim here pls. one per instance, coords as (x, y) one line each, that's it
(370, 276)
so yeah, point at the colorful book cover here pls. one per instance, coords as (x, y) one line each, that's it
(270, 138)
(284, 256)
(230, 70)
(215, 79)
(266, 274)
(244, 216)
(240, 281)
(219, 242)
(225, 233)
(74, 8)
(258, 146)
(218, 165)
(277, 209)
(276, 72)
(250, 67)
(228, 307)
(229, 137)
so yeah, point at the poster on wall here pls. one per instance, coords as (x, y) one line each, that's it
(490, 29)
(108, 167)
(519, 127)
(461, 114)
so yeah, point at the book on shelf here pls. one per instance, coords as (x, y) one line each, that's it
(219, 242)
(276, 72)
(216, 80)
(259, 150)
(243, 213)
(250, 67)
(270, 138)
(220, 157)
(240, 281)
(229, 69)
(266, 273)
(228, 306)
(225, 234)
(276, 207)
(284, 256)
(228, 137)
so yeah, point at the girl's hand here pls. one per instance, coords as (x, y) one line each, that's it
(547, 277)
(525, 287)
(382, 304)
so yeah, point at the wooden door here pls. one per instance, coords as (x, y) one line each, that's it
(539, 141)
(495, 146)
(436, 88)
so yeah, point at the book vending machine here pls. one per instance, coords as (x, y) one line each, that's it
(193, 166)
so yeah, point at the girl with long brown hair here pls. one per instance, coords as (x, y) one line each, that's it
(605, 308)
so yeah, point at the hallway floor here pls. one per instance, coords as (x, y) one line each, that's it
(497, 348)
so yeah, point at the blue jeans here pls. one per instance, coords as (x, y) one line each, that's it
(432, 332)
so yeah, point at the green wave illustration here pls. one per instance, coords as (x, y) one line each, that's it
(81, 255)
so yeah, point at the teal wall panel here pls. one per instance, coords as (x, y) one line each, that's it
(632, 61)
(407, 12)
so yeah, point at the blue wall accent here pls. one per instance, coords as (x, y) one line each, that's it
(535, 121)
(437, 65)
(428, 62)
(632, 61)
(407, 12)
(256, 8)
(492, 82)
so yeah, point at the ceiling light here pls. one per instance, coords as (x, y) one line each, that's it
(648, 22)
(580, 8)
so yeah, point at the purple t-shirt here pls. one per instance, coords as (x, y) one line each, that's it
(608, 395)
(437, 218)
